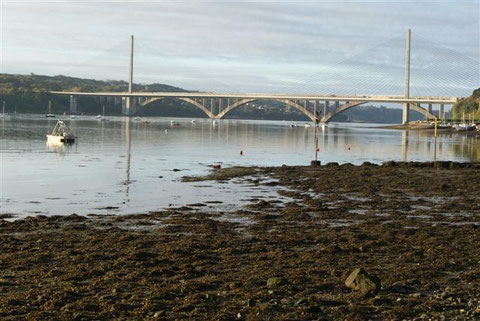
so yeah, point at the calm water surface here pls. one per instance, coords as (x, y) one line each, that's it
(123, 166)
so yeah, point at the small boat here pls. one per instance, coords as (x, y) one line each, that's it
(136, 119)
(174, 123)
(73, 117)
(293, 125)
(193, 121)
(307, 125)
(49, 114)
(444, 126)
(464, 127)
(102, 117)
(215, 122)
(61, 134)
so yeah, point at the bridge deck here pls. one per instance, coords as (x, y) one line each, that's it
(366, 98)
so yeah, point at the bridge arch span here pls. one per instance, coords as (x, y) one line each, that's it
(413, 106)
(242, 102)
(188, 100)
(326, 118)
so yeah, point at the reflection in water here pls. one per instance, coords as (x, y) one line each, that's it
(404, 145)
(60, 149)
(128, 145)
(100, 167)
(467, 148)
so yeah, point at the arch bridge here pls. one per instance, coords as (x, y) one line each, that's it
(319, 108)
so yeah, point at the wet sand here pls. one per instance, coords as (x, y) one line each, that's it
(415, 226)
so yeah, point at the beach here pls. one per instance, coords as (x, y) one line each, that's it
(414, 227)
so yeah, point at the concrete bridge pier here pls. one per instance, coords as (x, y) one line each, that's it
(325, 107)
(430, 108)
(441, 115)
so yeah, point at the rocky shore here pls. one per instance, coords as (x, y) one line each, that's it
(409, 232)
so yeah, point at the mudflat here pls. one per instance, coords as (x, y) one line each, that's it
(414, 227)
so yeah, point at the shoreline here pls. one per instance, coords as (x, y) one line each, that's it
(413, 225)
(429, 128)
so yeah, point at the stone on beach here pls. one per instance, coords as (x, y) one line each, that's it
(361, 281)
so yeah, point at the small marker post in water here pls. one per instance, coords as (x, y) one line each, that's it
(315, 145)
(435, 142)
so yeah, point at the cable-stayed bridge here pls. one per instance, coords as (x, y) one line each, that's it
(319, 107)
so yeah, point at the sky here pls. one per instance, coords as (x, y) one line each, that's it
(349, 47)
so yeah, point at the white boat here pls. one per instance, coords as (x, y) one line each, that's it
(193, 121)
(444, 126)
(307, 125)
(215, 122)
(49, 114)
(61, 134)
(464, 127)
(174, 123)
(73, 117)
(137, 119)
(102, 117)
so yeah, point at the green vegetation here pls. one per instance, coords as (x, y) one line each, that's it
(468, 107)
(29, 93)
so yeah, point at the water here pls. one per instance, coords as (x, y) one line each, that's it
(124, 166)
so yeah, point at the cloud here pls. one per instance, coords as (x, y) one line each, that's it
(251, 46)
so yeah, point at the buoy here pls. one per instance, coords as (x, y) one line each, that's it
(241, 153)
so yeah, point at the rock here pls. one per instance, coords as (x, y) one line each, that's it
(417, 295)
(361, 281)
(158, 314)
(275, 281)
(401, 288)
(315, 163)
(176, 170)
(251, 303)
(302, 301)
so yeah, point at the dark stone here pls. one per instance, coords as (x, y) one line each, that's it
(332, 164)
(390, 164)
(315, 163)
(251, 303)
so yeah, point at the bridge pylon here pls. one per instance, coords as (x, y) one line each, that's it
(128, 111)
(406, 106)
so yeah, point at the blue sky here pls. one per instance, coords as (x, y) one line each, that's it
(249, 46)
